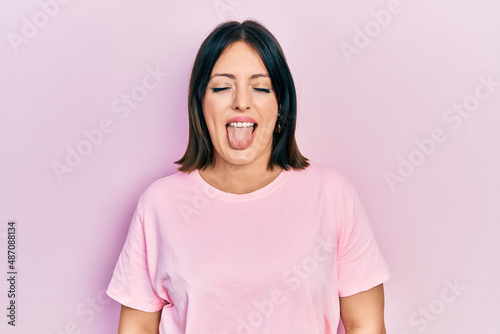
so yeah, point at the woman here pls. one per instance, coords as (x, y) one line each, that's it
(248, 236)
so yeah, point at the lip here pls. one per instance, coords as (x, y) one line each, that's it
(242, 119)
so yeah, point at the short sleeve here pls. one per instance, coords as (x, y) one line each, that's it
(360, 263)
(132, 280)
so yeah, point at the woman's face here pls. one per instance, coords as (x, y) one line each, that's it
(240, 90)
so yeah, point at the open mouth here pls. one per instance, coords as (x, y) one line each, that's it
(240, 134)
(242, 125)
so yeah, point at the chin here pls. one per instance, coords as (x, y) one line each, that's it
(240, 159)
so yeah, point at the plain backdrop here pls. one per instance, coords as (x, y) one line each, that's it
(403, 97)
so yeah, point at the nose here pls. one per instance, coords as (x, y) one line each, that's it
(242, 99)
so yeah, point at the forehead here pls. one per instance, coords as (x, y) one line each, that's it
(239, 58)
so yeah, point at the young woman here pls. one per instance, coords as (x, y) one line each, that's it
(248, 236)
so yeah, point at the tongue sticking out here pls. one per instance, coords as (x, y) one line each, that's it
(240, 138)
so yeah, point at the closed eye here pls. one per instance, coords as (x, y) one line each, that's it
(219, 89)
(264, 90)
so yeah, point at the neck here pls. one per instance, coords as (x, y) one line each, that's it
(240, 179)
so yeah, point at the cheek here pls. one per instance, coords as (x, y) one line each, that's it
(208, 109)
(212, 111)
(211, 106)
(268, 106)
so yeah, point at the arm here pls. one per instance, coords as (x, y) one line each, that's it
(133, 321)
(363, 313)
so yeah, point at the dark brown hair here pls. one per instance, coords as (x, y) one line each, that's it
(200, 151)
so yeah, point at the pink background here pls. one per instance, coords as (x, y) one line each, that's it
(438, 225)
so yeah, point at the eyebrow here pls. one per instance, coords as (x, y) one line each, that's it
(231, 76)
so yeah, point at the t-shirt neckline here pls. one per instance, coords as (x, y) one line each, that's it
(211, 191)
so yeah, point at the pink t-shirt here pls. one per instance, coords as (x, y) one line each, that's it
(274, 260)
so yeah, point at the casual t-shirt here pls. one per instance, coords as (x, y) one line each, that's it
(274, 260)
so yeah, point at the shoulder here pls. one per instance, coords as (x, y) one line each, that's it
(165, 189)
(328, 177)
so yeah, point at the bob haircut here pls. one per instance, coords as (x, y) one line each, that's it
(200, 151)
